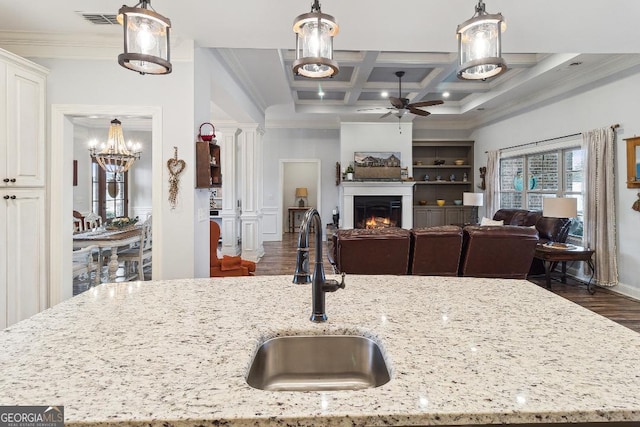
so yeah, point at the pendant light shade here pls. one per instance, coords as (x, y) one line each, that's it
(146, 39)
(314, 44)
(480, 45)
(114, 156)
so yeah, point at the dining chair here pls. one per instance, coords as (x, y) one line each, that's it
(141, 254)
(78, 225)
(83, 262)
(92, 221)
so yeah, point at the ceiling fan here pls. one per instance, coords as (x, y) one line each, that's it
(402, 105)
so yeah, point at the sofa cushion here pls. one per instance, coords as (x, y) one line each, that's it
(487, 221)
(501, 252)
(373, 251)
(435, 251)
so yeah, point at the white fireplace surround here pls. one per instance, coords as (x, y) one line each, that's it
(350, 189)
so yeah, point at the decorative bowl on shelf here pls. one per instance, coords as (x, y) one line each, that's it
(459, 162)
(422, 202)
(440, 202)
(438, 162)
(457, 202)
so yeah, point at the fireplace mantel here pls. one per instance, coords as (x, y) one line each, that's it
(349, 189)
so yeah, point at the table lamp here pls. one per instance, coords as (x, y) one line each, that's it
(301, 196)
(560, 207)
(475, 200)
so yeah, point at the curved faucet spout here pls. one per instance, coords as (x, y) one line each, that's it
(319, 284)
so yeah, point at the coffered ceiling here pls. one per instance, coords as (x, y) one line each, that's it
(553, 50)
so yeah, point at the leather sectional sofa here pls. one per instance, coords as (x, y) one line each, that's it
(477, 251)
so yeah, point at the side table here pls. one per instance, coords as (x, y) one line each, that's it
(292, 216)
(550, 254)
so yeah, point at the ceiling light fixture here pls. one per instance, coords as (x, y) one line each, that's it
(314, 44)
(446, 94)
(114, 156)
(146, 39)
(480, 45)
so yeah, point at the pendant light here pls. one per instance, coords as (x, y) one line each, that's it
(314, 44)
(146, 39)
(480, 45)
(114, 156)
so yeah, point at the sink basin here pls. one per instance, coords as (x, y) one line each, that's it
(318, 362)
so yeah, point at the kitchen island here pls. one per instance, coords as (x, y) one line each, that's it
(461, 351)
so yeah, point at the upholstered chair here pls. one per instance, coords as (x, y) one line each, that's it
(226, 266)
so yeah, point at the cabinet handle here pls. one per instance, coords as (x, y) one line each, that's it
(6, 180)
(13, 197)
(13, 180)
(6, 197)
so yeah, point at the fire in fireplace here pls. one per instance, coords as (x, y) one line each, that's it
(377, 211)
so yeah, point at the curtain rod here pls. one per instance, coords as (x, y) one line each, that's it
(614, 127)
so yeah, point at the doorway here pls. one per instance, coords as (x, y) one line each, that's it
(61, 178)
(298, 174)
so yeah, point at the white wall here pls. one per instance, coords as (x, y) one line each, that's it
(613, 103)
(375, 137)
(321, 144)
(100, 82)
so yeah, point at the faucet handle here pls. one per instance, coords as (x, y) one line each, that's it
(333, 285)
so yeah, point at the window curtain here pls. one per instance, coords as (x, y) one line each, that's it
(492, 184)
(599, 205)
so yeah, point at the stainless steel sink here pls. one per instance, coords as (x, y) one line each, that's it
(318, 362)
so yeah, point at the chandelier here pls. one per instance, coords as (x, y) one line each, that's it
(146, 39)
(114, 156)
(480, 45)
(314, 44)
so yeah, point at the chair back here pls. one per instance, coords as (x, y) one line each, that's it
(78, 225)
(92, 221)
(145, 239)
(498, 251)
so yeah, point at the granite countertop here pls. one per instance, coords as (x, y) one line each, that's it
(460, 351)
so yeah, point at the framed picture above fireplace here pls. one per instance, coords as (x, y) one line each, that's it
(377, 165)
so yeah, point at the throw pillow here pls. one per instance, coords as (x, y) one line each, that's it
(487, 221)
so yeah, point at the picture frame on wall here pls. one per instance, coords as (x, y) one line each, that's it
(377, 165)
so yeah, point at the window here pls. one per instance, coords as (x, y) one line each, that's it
(526, 179)
(109, 193)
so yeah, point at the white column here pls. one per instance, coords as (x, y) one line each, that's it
(227, 139)
(250, 141)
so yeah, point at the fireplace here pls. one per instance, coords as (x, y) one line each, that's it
(377, 211)
(403, 190)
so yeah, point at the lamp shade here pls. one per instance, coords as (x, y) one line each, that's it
(560, 207)
(472, 199)
(302, 192)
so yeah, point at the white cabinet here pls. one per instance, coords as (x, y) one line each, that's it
(22, 122)
(23, 240)
(23, 290)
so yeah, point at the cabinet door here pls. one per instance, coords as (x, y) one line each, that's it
(435, 217)
(454, 216)
(420, 218)
(25, 128)
(26, 292)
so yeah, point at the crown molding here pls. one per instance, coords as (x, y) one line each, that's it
(71, 46)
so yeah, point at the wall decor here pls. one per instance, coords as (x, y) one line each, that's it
(636, 204)
(633, 162)
(483, 183)
(377, 166)
(175, 167)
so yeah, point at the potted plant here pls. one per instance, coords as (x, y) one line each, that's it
(349, 173)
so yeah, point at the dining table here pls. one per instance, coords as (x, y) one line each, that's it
(111, 239)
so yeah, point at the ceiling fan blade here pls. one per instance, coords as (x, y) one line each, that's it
(418, 112)
(386, 115)
(396, 102)
(372, 109)
(427, 103)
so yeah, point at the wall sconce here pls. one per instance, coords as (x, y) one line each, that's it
(480, 45)
(146, 39)
(314, 44)
(301, 196)
(114, 156)
(475, 200)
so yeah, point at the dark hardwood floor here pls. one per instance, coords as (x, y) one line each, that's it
(280, 258)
